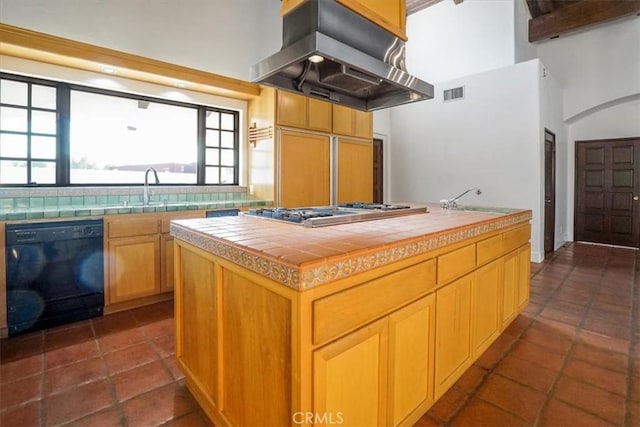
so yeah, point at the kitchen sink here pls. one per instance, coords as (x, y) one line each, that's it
(485, 209)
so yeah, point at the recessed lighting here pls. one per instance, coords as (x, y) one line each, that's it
(108, 70)
(316, 58)
(181, 85)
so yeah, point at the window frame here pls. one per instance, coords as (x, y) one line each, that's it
(63, 111)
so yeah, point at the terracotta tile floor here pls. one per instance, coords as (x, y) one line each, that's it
(571, 359)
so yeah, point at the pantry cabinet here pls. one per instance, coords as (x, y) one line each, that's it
(354, 171)
(304, 169)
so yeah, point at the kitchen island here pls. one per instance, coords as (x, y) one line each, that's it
(365, 323)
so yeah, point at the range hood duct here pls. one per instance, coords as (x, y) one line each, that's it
(363, 64)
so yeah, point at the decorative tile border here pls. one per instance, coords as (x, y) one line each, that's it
(305, 278)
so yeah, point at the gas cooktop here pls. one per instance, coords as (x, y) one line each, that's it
(344, 213)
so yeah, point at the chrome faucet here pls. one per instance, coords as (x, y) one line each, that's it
(148, 194)
(453, 203)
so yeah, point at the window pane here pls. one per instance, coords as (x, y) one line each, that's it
(212, 138)
(43, 147)
(213, 156)
(12, 172)
(43, 122)
(227, 158)
(227, 175)
(213, 120)
(227, 139)
(43, 97)
(212, 175)
(227, 121)
(12, 92)
(13, 145)
(43, 172)
(114, 141)
(14, 119)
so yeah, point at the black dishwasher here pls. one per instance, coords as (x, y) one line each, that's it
(55, 273)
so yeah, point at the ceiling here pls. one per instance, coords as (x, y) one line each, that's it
(551, 18)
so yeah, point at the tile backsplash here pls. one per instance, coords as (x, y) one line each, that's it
(36, 203)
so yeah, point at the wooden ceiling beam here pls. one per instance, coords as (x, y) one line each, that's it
(579, 14)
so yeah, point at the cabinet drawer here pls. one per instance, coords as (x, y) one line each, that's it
(166, 219)
(133, 227)
(349, 309)
(456, 263)
(489, 249)
(515, 238)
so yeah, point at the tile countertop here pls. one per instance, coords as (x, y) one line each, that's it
(302, 257)
(28, 213)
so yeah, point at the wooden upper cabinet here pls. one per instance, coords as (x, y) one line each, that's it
(352, 122)
(302, 112)
(389, 14)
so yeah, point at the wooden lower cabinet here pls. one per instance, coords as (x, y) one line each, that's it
(166, 263)
(256, 352)
(134, 267)
(485, 307)
(524, 275)
(510, 279)
(380, 374)
(411, 350)
(453, 333)
(350, 377)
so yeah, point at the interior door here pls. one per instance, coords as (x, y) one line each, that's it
(549, 191)
(607, 203)
(378, 161)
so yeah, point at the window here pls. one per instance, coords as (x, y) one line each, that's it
(113, 139)
(107, 137)
(28, 132)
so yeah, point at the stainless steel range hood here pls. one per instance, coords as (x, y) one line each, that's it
(362, 65)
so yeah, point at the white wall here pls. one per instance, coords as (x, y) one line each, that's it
(448, 41)
(595, 66)
(219, 36)
(491, 139)
(551, 119)
(524, 51)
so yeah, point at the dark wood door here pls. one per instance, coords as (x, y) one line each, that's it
(549, 191)
(608, 191)
(377, 171)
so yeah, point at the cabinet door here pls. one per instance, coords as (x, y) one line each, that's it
(166, 262)
(291, 109)
(318, 115)
(411, 343)
(342, 120)
(349, 377)
(355, 171)
(363, 124)
(134, 267)
(509, 288)
(485, 307)
(304, 178)
(453, 333)
(524, 275)
(389, 14)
